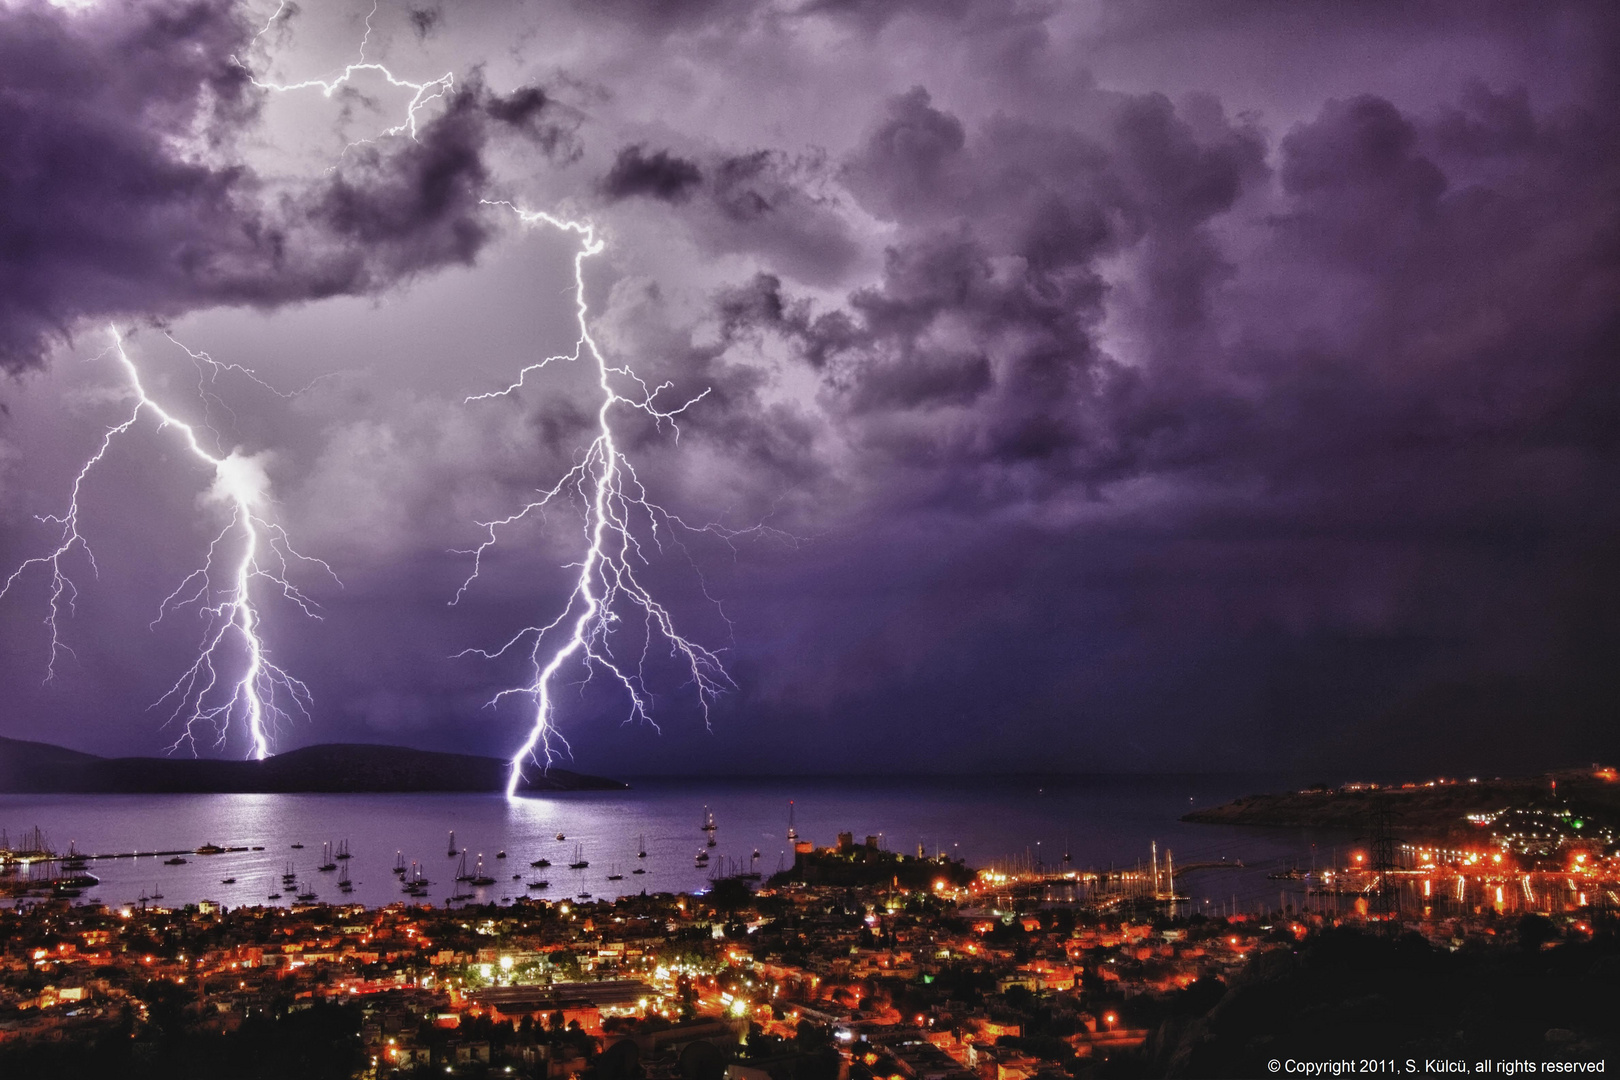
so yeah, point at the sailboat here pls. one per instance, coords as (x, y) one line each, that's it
(539, 884)
(642, 853)
(343, 849)
(580, 862)
(461, 868)
(480, 878)
(326, 853)
(415, 883)
(452, 852)
(344, 884)
(615, 875)
(399, 863)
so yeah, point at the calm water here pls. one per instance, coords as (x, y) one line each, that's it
(1099, 821)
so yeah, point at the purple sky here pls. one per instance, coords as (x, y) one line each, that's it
(1125, 386)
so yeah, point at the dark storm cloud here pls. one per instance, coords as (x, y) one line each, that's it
(988, 308)
(658, 175)
(120, 193)
(1365, 362)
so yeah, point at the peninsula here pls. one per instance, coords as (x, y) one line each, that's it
(1441, 808)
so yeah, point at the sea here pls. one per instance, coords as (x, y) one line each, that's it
(1071, 822)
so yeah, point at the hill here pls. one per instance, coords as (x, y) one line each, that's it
(36, 767)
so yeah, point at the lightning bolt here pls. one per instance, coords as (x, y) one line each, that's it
(423, 94)
(263, 694)
(617, 514)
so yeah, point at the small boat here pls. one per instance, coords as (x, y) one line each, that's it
(702, 858)
(584, 896)
(298, 847)
(560, 836)
(501, 854)
(275, 896)
(638, 870)
(540, 864)
(539, 884)
(176, 861)
(257, 847)
(517, 877)
(227, 881)
(452, 852)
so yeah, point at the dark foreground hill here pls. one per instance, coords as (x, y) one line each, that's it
(337, 767)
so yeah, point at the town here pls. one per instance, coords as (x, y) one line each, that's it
(859, 963)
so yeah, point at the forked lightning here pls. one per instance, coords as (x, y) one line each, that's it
(617, 514)
(261, 693)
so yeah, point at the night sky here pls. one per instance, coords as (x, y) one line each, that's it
(1114, 386)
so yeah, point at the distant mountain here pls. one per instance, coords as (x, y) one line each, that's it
(336, 767)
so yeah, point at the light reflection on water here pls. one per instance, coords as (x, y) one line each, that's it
(1100, 821)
